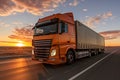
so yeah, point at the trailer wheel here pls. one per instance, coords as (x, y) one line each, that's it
(70, 57)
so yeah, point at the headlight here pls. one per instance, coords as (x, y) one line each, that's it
(32, 52)
(53, 52)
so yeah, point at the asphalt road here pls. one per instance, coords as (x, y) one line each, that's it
(100, 67)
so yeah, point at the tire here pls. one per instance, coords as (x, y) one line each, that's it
(90, 55)
(70, 58)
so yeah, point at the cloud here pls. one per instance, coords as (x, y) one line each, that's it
(17, 23)
(84, 10)
(74, 3)
(113, 34)
(91, 21)
(36, 7)
(6, 7)
(3, 24)
(22, 34)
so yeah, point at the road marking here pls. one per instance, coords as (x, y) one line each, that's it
(80, 73)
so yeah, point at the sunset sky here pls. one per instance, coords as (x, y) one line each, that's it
(17, 17)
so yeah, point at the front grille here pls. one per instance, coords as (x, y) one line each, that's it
(42, 48)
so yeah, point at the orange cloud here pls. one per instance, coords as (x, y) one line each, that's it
(91, 21)
(74, 3)
(113, 34)
(22, 34)
(6, 7)
(36, 7)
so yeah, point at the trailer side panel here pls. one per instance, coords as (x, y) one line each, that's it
(86, 38)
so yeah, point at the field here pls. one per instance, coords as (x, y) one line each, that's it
(4, 51)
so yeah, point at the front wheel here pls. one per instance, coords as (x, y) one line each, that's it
(70, 57)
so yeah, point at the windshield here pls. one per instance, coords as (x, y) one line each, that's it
(47, 29)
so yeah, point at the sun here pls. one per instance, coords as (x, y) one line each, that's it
(20, 44)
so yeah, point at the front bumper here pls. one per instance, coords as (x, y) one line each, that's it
(52, 61)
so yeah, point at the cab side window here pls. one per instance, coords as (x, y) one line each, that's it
(63, 27)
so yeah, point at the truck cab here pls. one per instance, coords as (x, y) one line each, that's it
(54, 39)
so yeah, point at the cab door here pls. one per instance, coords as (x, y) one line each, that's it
(64, 37)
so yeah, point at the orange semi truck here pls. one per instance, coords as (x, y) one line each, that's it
(59, 39)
